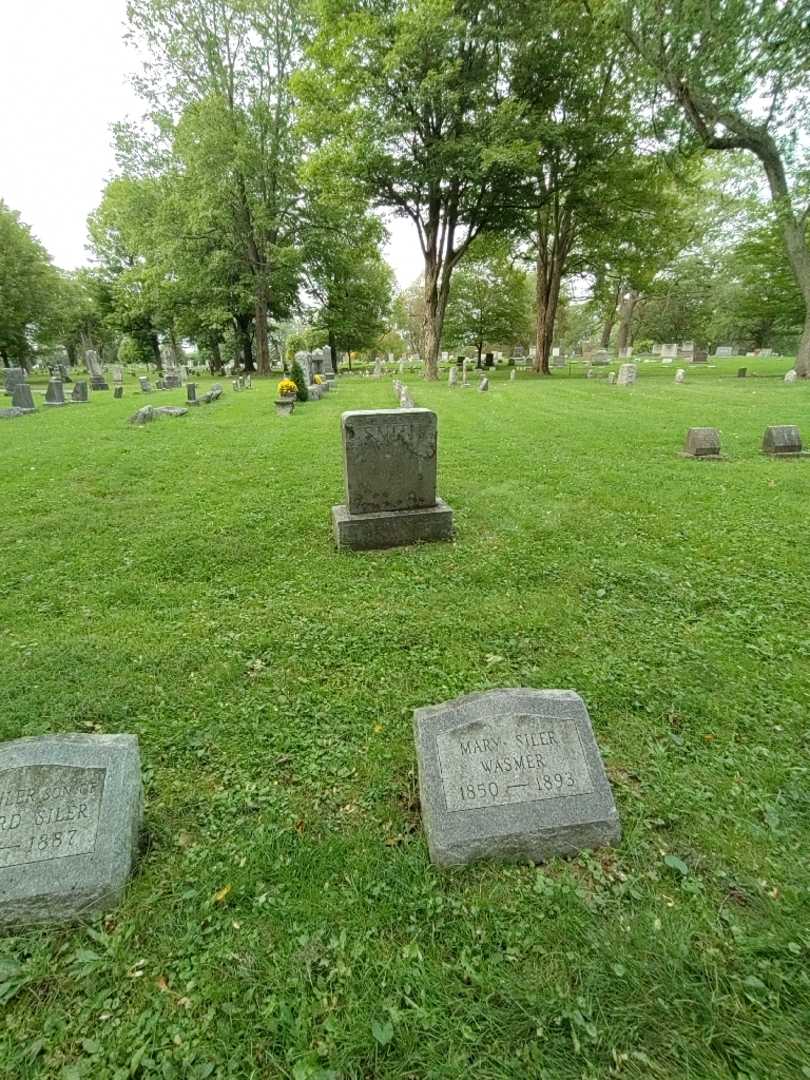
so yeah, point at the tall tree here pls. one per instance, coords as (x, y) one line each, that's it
(738, 72)
(490, 300)
(407, 95)
(28, 283)
(233, 60)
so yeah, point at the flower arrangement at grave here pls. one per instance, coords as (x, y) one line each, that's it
(297, 376)
(319, 379)
(287, 388)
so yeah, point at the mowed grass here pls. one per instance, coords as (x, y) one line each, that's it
(179, 581)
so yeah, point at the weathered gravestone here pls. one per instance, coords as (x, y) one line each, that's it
(13, 376)
(390, 469)
(22, 398)
(724, 350)
(791, 376)
(97, 380)
(11, 414)
(680, 375)
(55, 394)
(483, 386)
(702, 442)
(627, 375)
(191, 394)
(782, 441)
(669, 351)
(512, 375)
(70, 815)
(79, 394)
(742, 372)
(146, 386)
(452, 376)
(118, 391)
(611, 378)
(512, 774)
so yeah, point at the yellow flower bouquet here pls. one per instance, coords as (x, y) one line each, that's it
(287, 388)
(319, 379)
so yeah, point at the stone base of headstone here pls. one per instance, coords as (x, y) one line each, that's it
(512, 775)
(783, 441)
(11, 414)
(392, 528)
(55, 395)
(285, 406)
(72, 807)
(98, 382)
(314, 392)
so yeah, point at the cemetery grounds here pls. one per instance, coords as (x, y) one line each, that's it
(179, 582)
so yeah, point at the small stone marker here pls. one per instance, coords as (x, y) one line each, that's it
(118, 391)
(464, 378)
(390, 469)
(724, 350)
(611, 378)
(70, 815)
(406, 399)
(22, 398)
(702, 442)
(55, 394)
(191, 394)
(10, 414)
(742, 372)
(512, 375)
(512, 774)
(452, 376)
(146, 386)
(143, 416)
(627, 375)
(782, 441)
(791, 376)
(680, 375)
(79, 393)
(483, 386)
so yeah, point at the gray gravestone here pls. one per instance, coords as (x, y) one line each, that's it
(627, 375)
(452, 376)
(611, 378)
(782, 441)
(97, 380)
(483, 386)
(79, 393)
(390, 469)
(10, 414)
(702, 442)
(742, 372)
(512, 774)
(70, 814)
(791, 376)
(680, 375)
(13, 376)
(55, 394)
(118, 391)
(146, 386)
(191, 394)
(724, 350)
(22, 398)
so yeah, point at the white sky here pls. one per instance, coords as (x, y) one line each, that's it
(63, 82)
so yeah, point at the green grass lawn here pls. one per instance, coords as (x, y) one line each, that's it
(179, 581)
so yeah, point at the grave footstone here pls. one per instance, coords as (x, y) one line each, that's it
(390, 471)
(11, 414)
(55, 394)
(512, 774)
(79, 394)
(782, 440)
(71, 808)
(483, 386)
(22, 398)
(627, 375)
(703, 442)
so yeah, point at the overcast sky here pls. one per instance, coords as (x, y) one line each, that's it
(63, 81)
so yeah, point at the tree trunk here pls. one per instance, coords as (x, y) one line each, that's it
(262, 344)
(626, 312)
(215, 364)
(610, 317)
(799, 255)
(155, 346)
(431, 332)
(549, 280)
(333, 350)
(243, 332)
